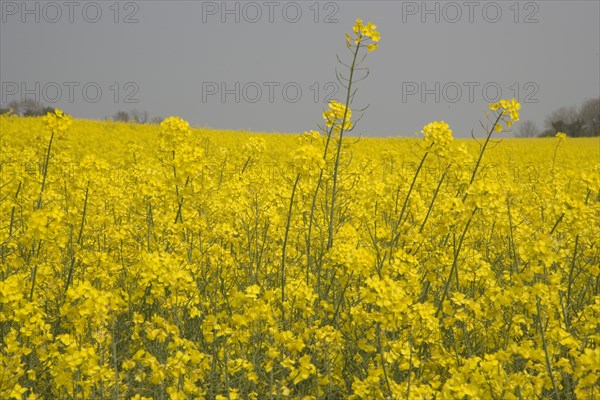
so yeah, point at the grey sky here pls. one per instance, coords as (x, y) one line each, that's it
(179, 52)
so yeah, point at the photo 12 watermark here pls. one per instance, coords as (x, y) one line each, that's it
(52, 12)
(268, 92)
(470, 92)
(253, 12)
(452, 12)
(69, 92)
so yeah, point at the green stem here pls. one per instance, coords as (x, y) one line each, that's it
(45, 171)
(380, 350)
(339, 151)
(313, 206)
(487, 140)
(454, 264)
(39, 205)
(567, 312)
(437, 189)
(412, 185)
(283, 252)
(79, 239)
(545, 346)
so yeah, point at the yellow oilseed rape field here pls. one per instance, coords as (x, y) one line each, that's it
(169, 262)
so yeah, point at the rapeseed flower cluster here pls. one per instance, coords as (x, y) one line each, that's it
(57, 122)
(173, 132)
(174, 125)
(338, 116)
(437, 136)
(509, 112)
(364, 33)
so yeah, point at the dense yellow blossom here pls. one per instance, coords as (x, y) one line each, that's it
(170, 262)
(127, 300)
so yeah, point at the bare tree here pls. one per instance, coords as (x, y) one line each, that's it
(567, 115)
(590, 115)
(141, 117)
(527, 129)
(121, 116)
(565, 119)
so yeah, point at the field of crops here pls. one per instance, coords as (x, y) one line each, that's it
(157, 262)
(179, 263)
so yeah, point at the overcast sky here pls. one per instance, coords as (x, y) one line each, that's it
(269, 66)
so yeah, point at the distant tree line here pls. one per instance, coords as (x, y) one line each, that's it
(27, 108)
(31, 108)
(139, 117)
(575, 122)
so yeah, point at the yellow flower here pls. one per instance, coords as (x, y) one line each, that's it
(375, 36)
(173, 125)
(334, 116)
(438, 133)
(509, 113)
(358, 26)
(57, 122)
(364, 33)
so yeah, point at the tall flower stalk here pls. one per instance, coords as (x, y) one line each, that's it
(338, 121)
(365, 36)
